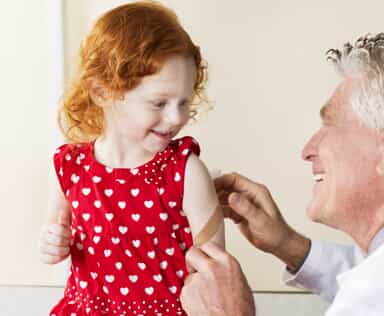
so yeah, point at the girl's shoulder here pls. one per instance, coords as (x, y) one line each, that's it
(71, 152)
(183, 147)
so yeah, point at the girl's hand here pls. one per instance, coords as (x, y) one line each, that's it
(55, 240)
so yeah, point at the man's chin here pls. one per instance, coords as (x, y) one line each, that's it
(313, 212)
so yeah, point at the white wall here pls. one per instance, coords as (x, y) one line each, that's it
(26, 84)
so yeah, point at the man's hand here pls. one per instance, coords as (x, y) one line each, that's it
(218, 287)
(252, 207)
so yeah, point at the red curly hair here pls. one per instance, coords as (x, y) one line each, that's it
(125, 44)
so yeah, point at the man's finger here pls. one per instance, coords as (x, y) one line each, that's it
(196, 259)
(214, 251)
(242, 206)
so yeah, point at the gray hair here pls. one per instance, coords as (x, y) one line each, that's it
(365, 61)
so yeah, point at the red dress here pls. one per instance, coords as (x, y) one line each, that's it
(129, 232)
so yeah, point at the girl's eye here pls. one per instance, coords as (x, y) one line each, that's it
(159, 104)
(184, 104)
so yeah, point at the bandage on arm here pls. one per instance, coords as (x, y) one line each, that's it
(210, 228)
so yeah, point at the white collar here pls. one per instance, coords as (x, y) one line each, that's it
(376, 242)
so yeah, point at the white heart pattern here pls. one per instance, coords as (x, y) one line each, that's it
(163, 265)
(151, 254)
(97, 204)
(75, 204)
(185, 152)
(173, 289)
(148, 204)
(122, 204)
(128, 253)
(136, 243)
(93, 275)
(134, 171)
(180, 273)
(160, 190)
(108, 192)
(142, 265)
(124, 291)
(123, 229)
(83, 284)
(110, 278)
(109, 216)
(86, 216)
(107, 253)
(91, 250)
(98, 229)
(96, 239)
(163, 216)
(105, 289)
(133, 278)
(118, 265)
(170, 251)
(86, 191)
(149, 290)
(115, 240)
(135, 192)
(96, 179)
(150, 229)
(135, 217)
(172, 204)
(157, 277)
(177, 177)
(75, 178)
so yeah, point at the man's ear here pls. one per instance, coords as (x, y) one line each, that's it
(99, 94)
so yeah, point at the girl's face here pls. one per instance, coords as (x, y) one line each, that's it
(151, 114)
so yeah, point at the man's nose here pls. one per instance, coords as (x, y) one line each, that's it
(311, 147)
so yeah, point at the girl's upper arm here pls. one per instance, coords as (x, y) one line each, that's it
(59, 210)
(200, 200)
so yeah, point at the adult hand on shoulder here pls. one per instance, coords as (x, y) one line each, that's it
(218, 287)
(55, 240)
(251, 206)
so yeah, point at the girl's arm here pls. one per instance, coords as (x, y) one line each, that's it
(56, 234)
(200, 200)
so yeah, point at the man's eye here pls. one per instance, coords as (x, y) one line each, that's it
(184, 104)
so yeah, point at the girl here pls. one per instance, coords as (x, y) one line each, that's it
(128, 197)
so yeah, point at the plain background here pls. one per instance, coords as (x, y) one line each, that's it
(268, 80)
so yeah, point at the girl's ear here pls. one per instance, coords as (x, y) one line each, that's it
(99, 94)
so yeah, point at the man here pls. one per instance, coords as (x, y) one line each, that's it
(347, 156)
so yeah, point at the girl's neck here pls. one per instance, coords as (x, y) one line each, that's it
(119, 154)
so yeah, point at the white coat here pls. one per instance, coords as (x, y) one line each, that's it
(350, 281)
